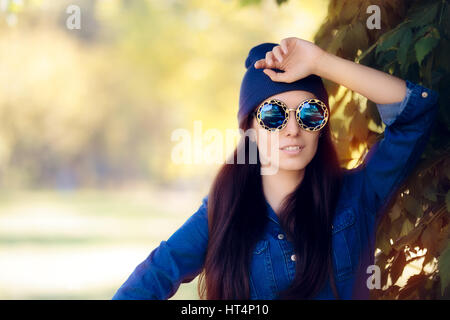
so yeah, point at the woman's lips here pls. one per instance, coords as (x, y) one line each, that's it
(293, 149)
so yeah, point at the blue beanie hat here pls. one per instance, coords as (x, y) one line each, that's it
(256, 86)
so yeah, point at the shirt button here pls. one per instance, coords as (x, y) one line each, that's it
(281, 236)
(424, 94)
(293, 257)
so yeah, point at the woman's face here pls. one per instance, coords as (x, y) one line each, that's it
(291, 135)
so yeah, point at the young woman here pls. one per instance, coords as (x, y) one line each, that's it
(307, 229)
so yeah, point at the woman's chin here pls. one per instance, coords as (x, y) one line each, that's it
(291, 165)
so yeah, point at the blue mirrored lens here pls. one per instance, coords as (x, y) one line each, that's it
(312, 114)
(272, 115)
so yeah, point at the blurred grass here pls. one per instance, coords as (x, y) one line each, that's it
(84, 244)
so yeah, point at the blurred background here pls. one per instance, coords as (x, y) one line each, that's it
(88, 187)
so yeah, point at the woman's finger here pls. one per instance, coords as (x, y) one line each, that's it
(270, 73)
(283, 45)
(275, 76)
(277, 53)
(269, 58)
(261, 63)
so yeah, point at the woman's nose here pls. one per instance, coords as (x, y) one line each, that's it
(292, 127)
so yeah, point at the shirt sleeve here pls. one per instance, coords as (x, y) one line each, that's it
(392, 159)
(177, 260)
(389, 111)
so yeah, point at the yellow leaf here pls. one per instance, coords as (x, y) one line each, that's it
(407, 227)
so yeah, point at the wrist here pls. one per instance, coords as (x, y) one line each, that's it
(320, 62)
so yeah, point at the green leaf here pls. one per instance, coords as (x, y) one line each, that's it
(419, 34)
(422, 15)
(387, 58)
(444, 268)
(403, 49)
(425, 45)
(390, 40)
(366, 56)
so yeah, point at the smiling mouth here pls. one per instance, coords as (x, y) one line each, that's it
(292, 148)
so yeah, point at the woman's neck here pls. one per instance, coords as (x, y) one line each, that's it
(277, 186)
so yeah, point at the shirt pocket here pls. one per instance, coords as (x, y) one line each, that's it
(261, 272)
(346, 243)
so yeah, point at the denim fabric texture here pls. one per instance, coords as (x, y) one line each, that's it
(365, 192)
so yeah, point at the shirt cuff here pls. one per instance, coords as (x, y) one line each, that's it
(390, 111)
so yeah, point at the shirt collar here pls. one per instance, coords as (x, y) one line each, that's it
(271, 214)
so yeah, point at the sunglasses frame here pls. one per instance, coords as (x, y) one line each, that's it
(288, 110)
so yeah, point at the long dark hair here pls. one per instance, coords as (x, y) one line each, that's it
(237, 217)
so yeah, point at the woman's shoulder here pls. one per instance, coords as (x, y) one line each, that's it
(205, 201)
(350, 173)
(351, 179)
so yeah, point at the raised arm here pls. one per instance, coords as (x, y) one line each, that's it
(299, 58)
(175, 261)
(377, 86)
(407, 109)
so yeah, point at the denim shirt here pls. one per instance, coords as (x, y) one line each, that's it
(366, 190)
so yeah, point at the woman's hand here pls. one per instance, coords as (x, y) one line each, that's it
(298, 59)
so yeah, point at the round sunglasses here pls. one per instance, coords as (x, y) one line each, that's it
(273, 114)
